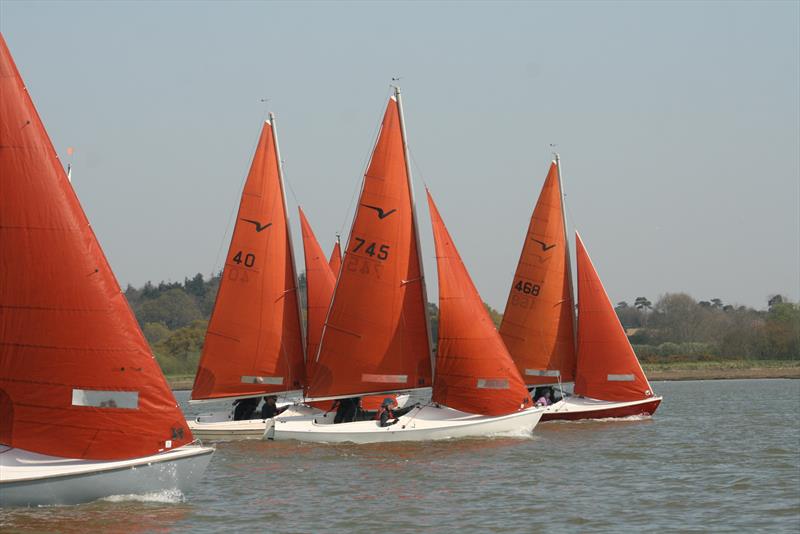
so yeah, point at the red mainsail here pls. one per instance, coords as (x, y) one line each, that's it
(77, 378)
(607, 366)
(538, 320)
(375, 338)
(254, 342)
(474, 371)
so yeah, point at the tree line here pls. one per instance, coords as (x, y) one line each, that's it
(174, 317)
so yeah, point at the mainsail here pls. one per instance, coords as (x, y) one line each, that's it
(474, 371)
(607, 366)
(254, 342)
(538, 320)
(77, 378)
(375, 338)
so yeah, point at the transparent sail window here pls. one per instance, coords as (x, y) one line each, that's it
(272, 380)
(128, 400)
(384, 379)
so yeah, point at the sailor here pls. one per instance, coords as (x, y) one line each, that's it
(545, 398)
(385, 413)
(347, 410)
(270, 409)
(245, 408)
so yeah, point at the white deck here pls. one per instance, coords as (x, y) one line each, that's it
(28, 478)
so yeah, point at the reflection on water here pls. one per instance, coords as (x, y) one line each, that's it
(718, 455)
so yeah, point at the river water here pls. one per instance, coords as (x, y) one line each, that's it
(718, 455)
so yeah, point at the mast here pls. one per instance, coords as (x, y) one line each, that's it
(289, 235)
(573, 306)
(416, 227)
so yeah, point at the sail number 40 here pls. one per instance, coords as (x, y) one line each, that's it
(249, 259)
(382, 250)
(527, 288)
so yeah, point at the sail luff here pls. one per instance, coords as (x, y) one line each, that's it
(568, 268)
(415, 225)
(289, 241)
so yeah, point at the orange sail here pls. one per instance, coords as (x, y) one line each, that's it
(320, 280)
(77, 379)
(336, 259)
(474, 371)
(538, 320)
(375, 338)
(607, 366)
(254, 342)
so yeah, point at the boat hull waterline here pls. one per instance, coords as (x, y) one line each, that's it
(32, 479)
(426, 423)
(577, 408)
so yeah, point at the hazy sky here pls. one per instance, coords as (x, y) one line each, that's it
(678, 125)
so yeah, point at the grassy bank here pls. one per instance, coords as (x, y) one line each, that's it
(716, 370)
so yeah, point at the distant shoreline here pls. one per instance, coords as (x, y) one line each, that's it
(722, 370)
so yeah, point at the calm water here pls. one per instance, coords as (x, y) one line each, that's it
(718, 455)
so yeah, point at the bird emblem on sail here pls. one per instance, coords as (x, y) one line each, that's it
(381, 213)
(545, 246)
(258, 224)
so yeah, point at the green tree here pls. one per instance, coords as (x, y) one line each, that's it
(174, 308)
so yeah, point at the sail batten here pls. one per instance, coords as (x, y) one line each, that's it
(538, 321)
(255, 329)
(474, 371)
(376, 325)
(73, 362)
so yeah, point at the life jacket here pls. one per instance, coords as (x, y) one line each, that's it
(384, 409)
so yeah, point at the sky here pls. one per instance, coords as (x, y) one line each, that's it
(678, 125)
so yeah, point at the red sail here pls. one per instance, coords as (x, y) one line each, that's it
(77, 379)
(254, 342)
(607, 366)
(376, 338)
(335, 261)
(319, 290)
(538, 321)
(474, 371)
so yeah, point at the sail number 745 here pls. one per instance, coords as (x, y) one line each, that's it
(381, 254)
(527, 287)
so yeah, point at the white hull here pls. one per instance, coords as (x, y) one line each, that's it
(31, 479)
(219, 427)
(420, 424)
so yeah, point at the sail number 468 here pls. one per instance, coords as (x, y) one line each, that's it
(527, 288)
(381, 254)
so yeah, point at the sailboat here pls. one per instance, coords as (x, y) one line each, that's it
(376, 336)
(335, 260)
(609, 382)
(254, 342)
(85, 411)
(544, 336)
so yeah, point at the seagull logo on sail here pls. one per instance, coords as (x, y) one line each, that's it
(381, 214)
(258, 224)
(545, 246)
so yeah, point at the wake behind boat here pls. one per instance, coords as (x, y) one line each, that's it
(85, 411)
